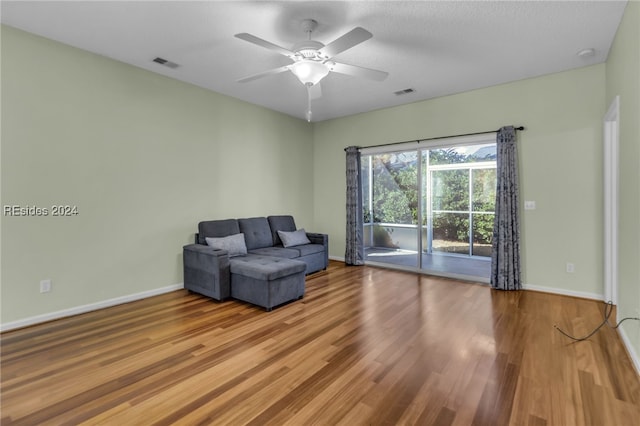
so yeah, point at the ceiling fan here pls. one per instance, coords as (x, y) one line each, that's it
(312, 60)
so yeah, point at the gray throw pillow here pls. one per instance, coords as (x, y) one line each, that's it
(294, 238)
(233, 244)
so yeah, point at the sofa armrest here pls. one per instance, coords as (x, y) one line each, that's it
(206, 271)
(318, 238)
(322, 239)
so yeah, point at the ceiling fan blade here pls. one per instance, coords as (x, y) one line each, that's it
(315, 91)
(264, 43)
(264, 74)
(347, 41)
(358, 71)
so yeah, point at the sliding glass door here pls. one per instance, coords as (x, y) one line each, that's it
(390, 202)
(449, 191)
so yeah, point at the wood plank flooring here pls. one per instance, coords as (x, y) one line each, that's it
(472, 268)
(366, 346)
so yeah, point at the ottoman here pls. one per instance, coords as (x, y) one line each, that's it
(266, 281)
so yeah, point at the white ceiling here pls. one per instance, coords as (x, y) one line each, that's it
(434, 47)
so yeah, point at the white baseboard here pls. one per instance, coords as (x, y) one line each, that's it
(564, 292)
(339, 259)
(630, 349)
(88, 308)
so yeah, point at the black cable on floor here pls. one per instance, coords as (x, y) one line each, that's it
(608, 309)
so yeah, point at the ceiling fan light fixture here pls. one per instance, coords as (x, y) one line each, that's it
(309, 72)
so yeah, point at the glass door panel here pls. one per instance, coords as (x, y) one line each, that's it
(483, 210)
(451, 233)
(450, 190)
(367, 218)
(425, 207)
(449, 211)
(482, 234)
(484, 190)
(393, 217)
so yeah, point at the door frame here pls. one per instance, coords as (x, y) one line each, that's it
(611, 137)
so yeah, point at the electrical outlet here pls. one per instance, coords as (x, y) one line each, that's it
(570, 268)
(45, 286)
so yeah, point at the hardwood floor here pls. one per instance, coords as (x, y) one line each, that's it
(365, 346)
(472, 267)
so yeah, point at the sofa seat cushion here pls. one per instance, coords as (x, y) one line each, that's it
(308, 249)
(290, 253)
(265, 268)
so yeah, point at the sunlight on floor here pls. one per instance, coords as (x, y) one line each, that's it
(442, 263)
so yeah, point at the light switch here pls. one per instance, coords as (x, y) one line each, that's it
(529, 205)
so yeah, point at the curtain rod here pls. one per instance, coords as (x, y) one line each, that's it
(521, 128)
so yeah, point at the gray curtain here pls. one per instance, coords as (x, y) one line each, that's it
(354, 252)
(505, 256)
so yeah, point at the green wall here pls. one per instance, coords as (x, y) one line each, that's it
(623, 79)
(143, 157)
(560, 165)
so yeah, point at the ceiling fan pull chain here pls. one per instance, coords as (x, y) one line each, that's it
(309, 104)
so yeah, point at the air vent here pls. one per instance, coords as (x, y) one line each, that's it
(166, 63)
(404, 92)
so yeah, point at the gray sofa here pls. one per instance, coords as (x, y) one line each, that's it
(266, 273)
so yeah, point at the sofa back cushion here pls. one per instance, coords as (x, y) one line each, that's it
(257, 233)
(217, 229)
(280, 223)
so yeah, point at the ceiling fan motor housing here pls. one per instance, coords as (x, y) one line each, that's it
(308, 49)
